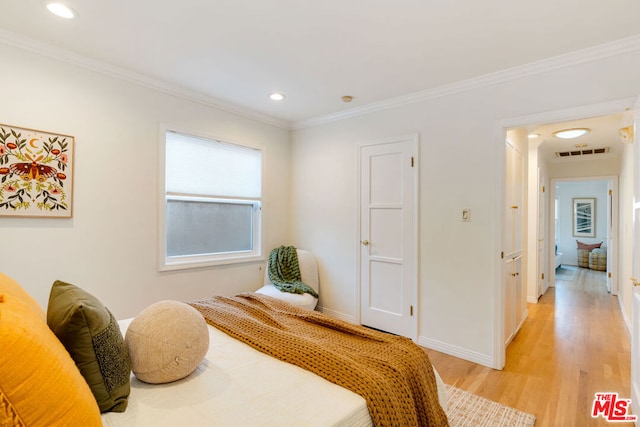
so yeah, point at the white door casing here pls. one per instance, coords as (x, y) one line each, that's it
(635, 308)
(635, 270)
(389, 235)
(609, 237)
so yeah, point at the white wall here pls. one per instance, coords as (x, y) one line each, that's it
(109, 247)
(579, 168)
(565, 193)
(461, 167)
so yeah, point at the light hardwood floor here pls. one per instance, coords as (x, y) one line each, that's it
(573, 344)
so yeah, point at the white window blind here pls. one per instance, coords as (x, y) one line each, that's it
(212, 168)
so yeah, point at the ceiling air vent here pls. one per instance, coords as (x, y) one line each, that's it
(585, 152)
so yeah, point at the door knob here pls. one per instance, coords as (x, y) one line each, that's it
(365, 242)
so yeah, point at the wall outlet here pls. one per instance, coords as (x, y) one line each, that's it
(466, 215)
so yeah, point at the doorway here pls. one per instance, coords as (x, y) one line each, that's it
(546, 162)
(567, 192)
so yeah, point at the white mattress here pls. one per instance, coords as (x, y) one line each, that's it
(238, 386)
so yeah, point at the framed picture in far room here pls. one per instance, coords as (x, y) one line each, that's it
(584, 217)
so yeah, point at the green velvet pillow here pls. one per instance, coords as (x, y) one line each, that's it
(91, 335)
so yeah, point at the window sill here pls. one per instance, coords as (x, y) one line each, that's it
(185, 263)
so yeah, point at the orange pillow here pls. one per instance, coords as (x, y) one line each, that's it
(11, 287)
(40, 384)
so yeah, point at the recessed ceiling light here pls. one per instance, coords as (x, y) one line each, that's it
(571, 133)
(276, 96)
(61, 10)
(534, 135)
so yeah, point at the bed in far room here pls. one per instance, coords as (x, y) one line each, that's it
(238, 385)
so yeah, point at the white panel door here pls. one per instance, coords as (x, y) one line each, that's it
(509, 301)
(514, 294)
(388, 236)
(514, 298)
(542, 233)
(514, 169)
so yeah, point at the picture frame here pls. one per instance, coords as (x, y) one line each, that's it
(584, 217)
(36, 173)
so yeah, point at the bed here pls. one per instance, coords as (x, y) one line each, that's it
(237, 385)
(52, 374)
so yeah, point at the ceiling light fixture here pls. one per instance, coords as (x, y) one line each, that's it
(571, 133)
(61, 10)
(534, 135)
(276, 96)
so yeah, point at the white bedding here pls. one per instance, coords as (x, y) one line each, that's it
(238, 386)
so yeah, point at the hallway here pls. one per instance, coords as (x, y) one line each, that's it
(573, 344)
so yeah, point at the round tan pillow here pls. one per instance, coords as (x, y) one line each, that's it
(166, 342)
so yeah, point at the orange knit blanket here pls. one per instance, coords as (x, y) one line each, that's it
(393, 374)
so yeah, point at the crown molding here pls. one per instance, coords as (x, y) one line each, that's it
(69, 57)
(602, 51)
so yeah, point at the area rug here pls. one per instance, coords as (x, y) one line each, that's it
(468, 409)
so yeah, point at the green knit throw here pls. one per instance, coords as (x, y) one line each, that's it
(284, 271)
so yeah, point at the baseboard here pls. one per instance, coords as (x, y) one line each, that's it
(452, 350)
(627, 321)
(525, 314)
(337, 315)
(462, 353)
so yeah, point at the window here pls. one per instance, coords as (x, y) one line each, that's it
(211, 207)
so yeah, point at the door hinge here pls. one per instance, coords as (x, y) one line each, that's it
(543, 188)
(609, 275)
(610, 192)
(542, 276)
(410, 310)
(502, 255)
(411, 161)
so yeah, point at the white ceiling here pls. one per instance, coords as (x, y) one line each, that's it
(315, 52)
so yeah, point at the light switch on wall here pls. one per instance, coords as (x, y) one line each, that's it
(466, 215)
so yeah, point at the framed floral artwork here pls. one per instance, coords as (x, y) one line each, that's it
(36, 173)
